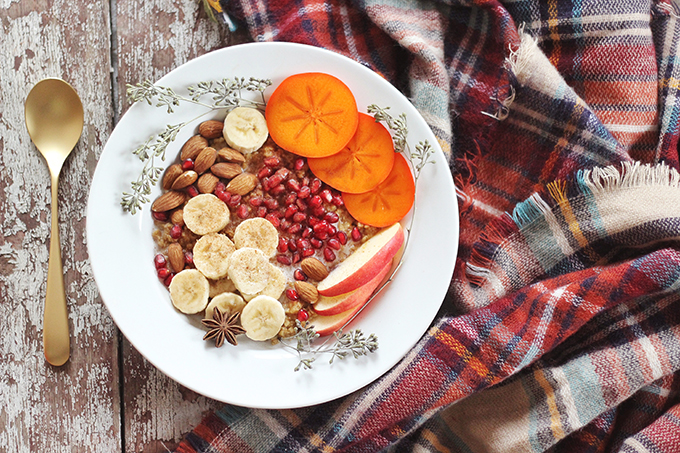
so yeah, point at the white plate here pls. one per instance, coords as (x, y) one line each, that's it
(258, 374)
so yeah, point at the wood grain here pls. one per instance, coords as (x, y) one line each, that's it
(75, 407)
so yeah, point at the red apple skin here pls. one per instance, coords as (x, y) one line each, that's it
(328, 306)
(364, 264)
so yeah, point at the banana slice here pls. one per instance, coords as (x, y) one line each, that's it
(275, 285)
(189, 291)
(262, 318)
(211, 255)
(258, 233)
(228, 303)
(245, 129)
(205, 214)
(248, 269)
(223, 285)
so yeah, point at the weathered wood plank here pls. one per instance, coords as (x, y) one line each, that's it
(75, 407)
(155, 37)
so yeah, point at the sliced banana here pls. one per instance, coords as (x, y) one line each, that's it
(223, 285)
(248, 269)
(275, 285)
(205, 214)
(211, 255)
(262, 318)
(245, 129)
(228, 303)
(258, 233)
(189, 291)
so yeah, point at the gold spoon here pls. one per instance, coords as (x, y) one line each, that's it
(54, 119)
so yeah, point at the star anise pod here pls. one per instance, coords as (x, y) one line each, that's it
(222, 327)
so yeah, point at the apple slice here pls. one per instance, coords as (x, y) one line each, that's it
(326, 325)
(364, 264)
(328, 306)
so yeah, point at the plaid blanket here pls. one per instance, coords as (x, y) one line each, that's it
(561, 329)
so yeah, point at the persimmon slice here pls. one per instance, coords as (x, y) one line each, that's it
(387, 203)
(312, 114)
(361, 165)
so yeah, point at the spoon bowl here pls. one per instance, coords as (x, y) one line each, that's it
(54, 119)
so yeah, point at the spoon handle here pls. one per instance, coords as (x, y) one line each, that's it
(55, 323)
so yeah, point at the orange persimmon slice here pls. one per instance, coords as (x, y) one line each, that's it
(312, 114)
(389, 202)
(361, 165)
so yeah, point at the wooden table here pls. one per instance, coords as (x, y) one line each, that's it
(107, 398)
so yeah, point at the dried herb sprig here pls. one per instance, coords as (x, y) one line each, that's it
(226, 94)
(353, 343)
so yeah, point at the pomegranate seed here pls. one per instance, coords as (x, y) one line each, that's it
(315, 201)
(292, 294)
(301, 204)
(307, 232)
(299, 164)
(222, 195)
(302, 315)
(283, 245)
(188, 165)
(296, 257)
(307, 252)
(189, 258)
(299, 217)
(265, 183)
(163, 272)
(321, 235)
(278, 190)
(299, 275)
(356, 234)
(337, 201)
(243, 212)
(261, 211)
(331, 230)
(285, 225)
(292, 246)
(305, 181)
(317, 244)
(284, 173)
(234, 200)
(176, 231)
(293, 184)
(255, 201)
(334, 244)
(328, 254)
(274, 180)
(304, 192)
(263, 173)
(192, 191)
(220, 186)
(331, 217)
(326, 195)
(271, 204)
(271, 217)
(320, 227)
(342, 237)
(319, 211)
(159, 261)
(290, 198)
(295, 228)
(315, 185)
(272, 161)
(303, 243)
(160, 216)
(283, 259)
(168, 280)
(313, 221)
(290, 211)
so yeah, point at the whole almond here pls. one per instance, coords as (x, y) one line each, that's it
(207, 183)
(231, 155)
(177, 217)
(192, 147)
(307, 292)
(176, 257)
(185, 180)
(204, 160)
(226, 170)
(313, 268)
(167, 201)
(171, 174)
(211, 129)
(242, 184)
